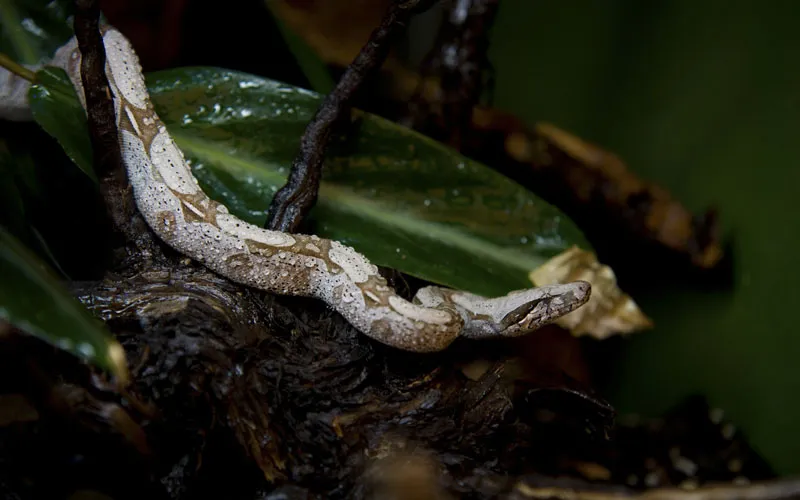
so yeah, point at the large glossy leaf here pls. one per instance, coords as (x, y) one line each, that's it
(704, 98)
(405, 201)
(32, 299)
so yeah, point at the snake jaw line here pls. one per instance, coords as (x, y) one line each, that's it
(520, 312)
(175, 207)
(535, 314)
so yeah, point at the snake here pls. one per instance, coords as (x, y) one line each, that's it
(182, 215)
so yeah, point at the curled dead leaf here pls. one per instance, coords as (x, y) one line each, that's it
(609, 311)
(648, 208)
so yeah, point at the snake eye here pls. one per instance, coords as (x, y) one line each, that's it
(519, 314)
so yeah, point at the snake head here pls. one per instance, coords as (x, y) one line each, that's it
(553, 302)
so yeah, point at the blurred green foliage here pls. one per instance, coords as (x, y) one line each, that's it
(703, 98)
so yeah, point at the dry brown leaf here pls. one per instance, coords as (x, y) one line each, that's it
(609, 311)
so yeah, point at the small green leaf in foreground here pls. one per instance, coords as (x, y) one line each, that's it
(33, 300)
(32, 30)
(56, 108)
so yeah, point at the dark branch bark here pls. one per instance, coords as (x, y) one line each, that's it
(248, 391)
(114, 185)
(295, 199)
(99, 102)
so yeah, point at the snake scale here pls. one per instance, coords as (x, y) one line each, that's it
(175, 207)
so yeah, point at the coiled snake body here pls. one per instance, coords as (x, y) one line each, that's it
(182, 215)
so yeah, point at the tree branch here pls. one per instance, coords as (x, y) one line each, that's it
(99, 103)
(299, 195)
(107, 157)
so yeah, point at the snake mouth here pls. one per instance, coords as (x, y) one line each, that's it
(561, 300)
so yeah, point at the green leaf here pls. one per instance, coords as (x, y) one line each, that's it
(32, 30)
(30, 33)
(403, 200)
(56, 108)
(310, 64)
(13, 214)
(33, 300)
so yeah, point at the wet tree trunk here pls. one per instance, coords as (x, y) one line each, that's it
(236, 392)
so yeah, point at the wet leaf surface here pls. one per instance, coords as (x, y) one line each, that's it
(33, 300)
(403, 200)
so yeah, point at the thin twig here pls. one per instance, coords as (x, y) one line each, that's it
(16, 68)
(99, 104)
(298, 196)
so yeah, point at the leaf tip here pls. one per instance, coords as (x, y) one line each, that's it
(609, 310)
(119, 364)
